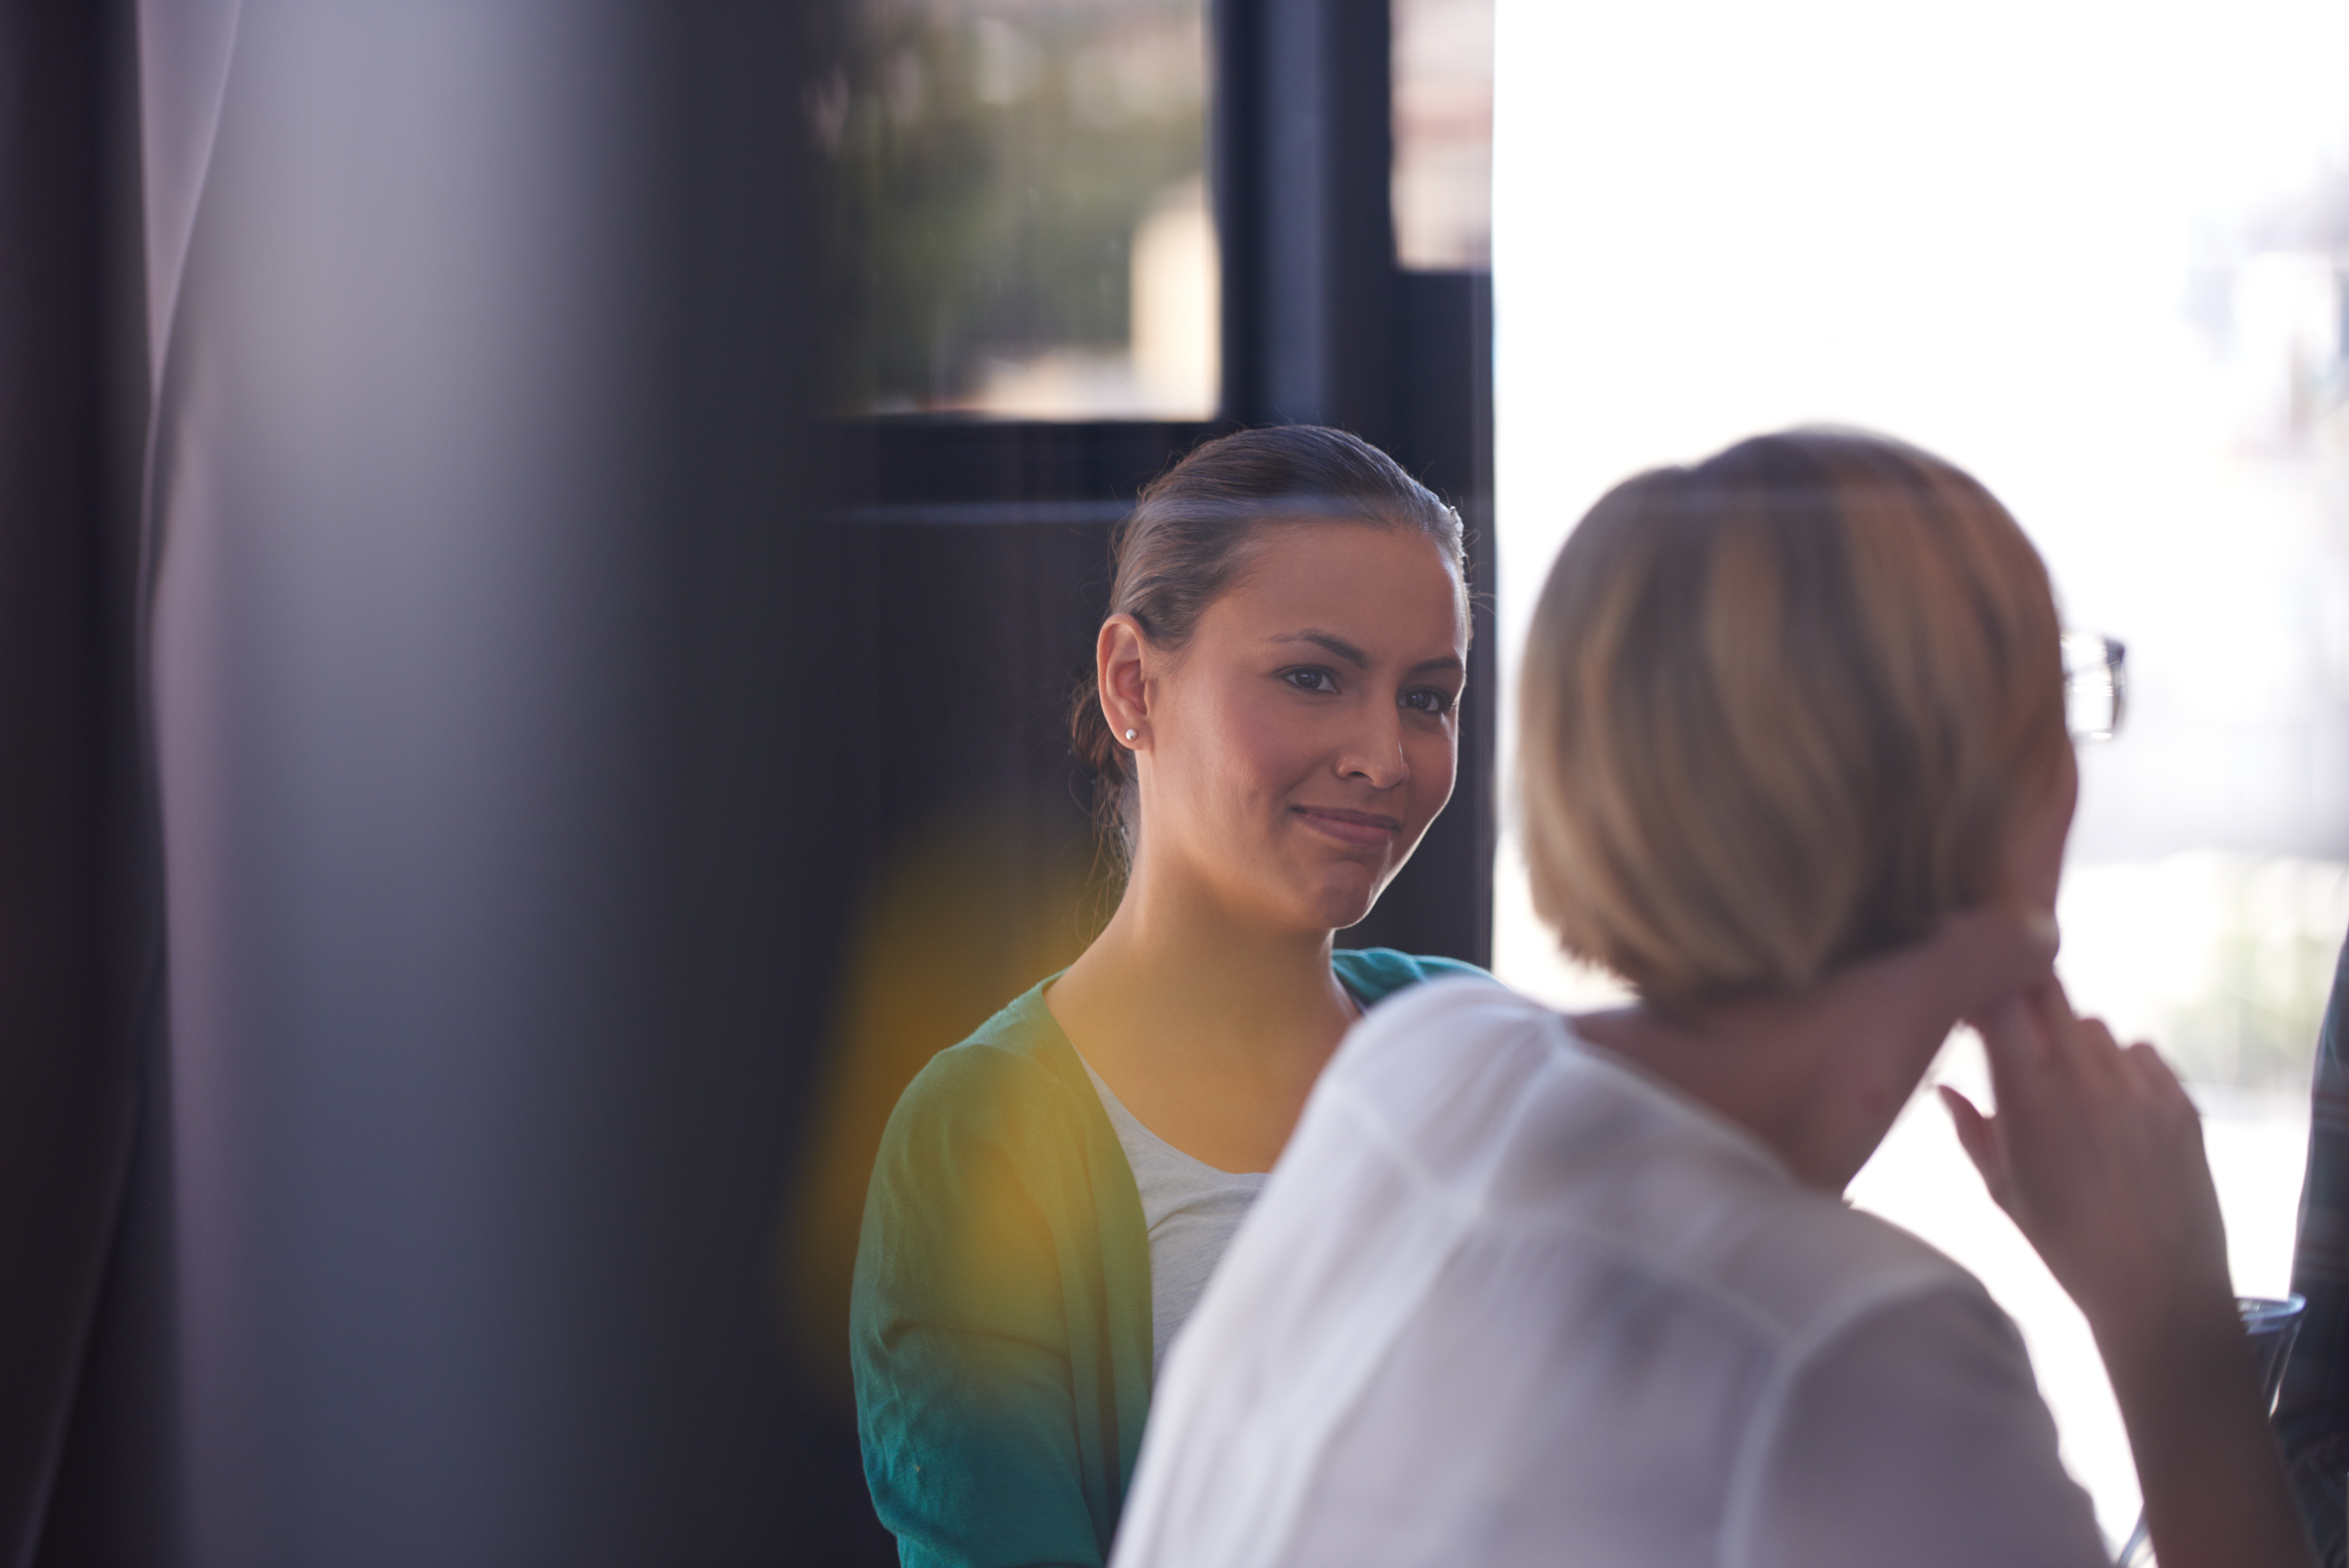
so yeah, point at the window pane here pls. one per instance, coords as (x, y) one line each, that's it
(1442, 183)
(1021, 207)
(2091, 250)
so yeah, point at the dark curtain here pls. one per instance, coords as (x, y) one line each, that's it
(408, 505)
(75, 892)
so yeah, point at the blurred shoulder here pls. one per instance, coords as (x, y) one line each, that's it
(1376, 973)
(1459, 999)
(1002, 1075)
(1464, 1041)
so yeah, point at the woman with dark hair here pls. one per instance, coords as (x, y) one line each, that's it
(1273, 720)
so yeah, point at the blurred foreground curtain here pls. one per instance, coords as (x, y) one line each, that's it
(406, 506)
(76, 893)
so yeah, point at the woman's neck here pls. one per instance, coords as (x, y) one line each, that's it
(1819, 1074)
(1817, 1077)
(1225, 981)
(1210, 1029)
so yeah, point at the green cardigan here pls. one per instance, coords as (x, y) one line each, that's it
(1000, 1328)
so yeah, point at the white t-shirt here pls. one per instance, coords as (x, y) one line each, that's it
(1506, 1300)
(1189, 1209)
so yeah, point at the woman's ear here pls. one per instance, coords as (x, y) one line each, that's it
(2034, 857)
(1121, 655)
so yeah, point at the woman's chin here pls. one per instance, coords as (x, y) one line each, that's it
(1325, 897)
(1347, 903)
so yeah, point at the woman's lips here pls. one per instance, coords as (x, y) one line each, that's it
(1359, 827)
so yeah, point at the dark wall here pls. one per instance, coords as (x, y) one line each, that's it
(976, 558)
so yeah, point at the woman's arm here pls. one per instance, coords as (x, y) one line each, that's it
(1916, 1436)
(960, 1343)
(2096, 1153)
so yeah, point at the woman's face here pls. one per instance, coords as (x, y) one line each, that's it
(1298, 747)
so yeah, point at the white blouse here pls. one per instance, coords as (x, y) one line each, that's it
(1508, 1301)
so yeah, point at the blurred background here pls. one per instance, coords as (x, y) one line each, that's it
(1022, 209)
(544, 550)
(2096, 254)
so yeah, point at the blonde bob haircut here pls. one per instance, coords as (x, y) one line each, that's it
(1782, 711)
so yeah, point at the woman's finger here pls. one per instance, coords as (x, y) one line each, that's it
(2095, 1054)
(2081, 1055)
(2008, 1032)
(2027, 1070)
(1979, 1138)
(2154, 1079)
(1972, 1127)
(2058, 1027)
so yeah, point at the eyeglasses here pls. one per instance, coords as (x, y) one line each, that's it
(2096, 685)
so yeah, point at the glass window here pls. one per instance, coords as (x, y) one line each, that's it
(1022, 209)
(2093, 252)
(1442, 180)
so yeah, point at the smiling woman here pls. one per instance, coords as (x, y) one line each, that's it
(1274, 724)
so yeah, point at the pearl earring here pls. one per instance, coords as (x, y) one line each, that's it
(1129, 734)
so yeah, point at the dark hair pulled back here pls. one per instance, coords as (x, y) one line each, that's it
(1189, 537)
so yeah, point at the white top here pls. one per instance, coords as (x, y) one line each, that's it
(1190, 1210)
(1508, 1301)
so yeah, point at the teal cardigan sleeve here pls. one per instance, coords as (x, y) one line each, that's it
(1000, 1319)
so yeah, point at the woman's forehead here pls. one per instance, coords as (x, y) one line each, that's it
(1315, 554)
(1394, 583)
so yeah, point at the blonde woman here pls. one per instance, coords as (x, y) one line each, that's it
(1534, 1289)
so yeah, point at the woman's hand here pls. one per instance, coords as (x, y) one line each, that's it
(2096, 1153)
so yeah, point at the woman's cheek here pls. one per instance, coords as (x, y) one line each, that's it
(1435, 770)
(1265, 744)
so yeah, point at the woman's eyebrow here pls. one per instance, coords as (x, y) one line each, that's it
(1337, 645)
(1332, 643)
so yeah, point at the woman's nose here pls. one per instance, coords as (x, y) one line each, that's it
(1374, 753)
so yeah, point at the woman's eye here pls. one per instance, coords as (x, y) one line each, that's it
(1311, 679)
(1427, 699)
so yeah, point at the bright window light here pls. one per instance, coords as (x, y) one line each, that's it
(2093, 252)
